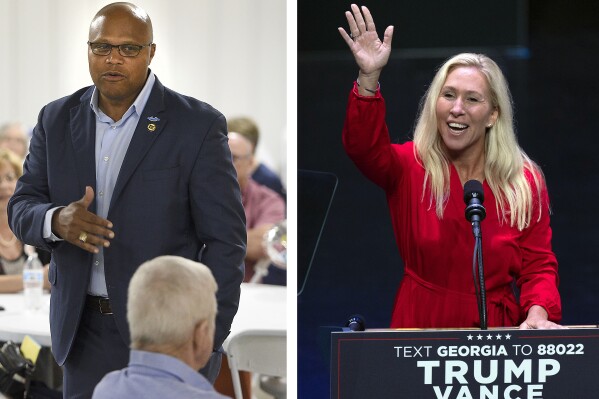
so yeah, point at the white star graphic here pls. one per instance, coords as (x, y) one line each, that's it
(469, 336)
(498, 336)
(489, 337)
(508, 336)
(479, 337)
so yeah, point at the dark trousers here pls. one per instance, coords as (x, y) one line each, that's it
(99, 349)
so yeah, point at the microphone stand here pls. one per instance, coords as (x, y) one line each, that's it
(475, 213)
(477, 260)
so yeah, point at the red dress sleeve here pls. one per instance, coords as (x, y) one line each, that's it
(538, 279)
(366, 139)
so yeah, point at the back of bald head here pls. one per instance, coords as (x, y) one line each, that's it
(121, 9)
(246, 127)
(241, 142)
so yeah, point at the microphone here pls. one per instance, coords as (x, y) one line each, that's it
(474, 198)
(356, 323)
(475, 213)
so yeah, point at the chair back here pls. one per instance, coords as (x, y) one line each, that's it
(257, 351)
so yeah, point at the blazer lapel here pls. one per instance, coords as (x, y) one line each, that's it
(83, 136)
(146, 132)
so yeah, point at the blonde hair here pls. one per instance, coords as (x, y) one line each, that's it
(505, 161)
(168, 296)
(12, 160)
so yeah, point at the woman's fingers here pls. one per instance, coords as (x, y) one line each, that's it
(353, 26)
(359, 20)
(345, 36)
(368, 19)
(388, 36)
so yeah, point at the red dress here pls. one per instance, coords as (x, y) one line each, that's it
(437, 289)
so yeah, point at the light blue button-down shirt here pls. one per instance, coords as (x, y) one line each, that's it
(155, 376)
(112, 142)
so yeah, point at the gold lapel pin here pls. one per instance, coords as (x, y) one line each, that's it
(151, 127)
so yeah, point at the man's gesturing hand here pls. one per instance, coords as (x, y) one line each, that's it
(75, 224)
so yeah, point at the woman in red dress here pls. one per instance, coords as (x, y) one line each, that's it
(464, 132)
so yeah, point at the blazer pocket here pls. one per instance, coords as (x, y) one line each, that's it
(161, 174)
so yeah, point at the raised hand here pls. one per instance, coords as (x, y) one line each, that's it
(80, 227)
(370, 53)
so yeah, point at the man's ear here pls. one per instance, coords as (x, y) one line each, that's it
(152, 52)
(203, 339)
(200, 333)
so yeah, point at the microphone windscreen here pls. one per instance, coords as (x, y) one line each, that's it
(473, 188)
(356, 323)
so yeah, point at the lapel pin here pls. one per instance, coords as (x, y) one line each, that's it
(153, 118)
(151, 127)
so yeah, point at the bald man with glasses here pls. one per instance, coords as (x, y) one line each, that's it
(118, 173)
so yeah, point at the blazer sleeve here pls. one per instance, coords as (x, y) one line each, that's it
(219, 221)
(27, 207)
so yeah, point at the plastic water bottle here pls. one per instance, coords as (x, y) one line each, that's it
(33, 282)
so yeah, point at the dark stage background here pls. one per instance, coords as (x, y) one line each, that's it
(549, 52)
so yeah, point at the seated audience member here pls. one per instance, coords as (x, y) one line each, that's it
(171, 310)
(260, 173)
(263, 207)
(12, 251)
(14, 137)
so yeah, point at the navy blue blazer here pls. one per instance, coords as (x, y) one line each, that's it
(176, 194)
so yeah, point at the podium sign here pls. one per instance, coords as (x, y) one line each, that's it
(465, 364)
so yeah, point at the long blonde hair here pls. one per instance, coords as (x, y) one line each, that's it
(505, 161)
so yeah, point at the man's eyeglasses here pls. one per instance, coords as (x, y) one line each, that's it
(126, 50)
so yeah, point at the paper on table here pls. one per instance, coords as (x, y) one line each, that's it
(30, 348)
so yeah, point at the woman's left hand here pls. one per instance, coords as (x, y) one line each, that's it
(537, 319)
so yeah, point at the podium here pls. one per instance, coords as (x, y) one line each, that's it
(502, 363)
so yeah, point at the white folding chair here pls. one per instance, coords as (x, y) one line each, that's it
(257, 351)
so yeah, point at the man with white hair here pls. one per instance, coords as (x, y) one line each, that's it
(171, 310)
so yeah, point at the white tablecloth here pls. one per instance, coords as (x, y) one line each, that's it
(15, 322)
(261, 307)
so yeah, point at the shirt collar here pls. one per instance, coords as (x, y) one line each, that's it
(172, 365)
(137, 106)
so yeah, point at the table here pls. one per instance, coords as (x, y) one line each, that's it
(16, 322)
(261, 307)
